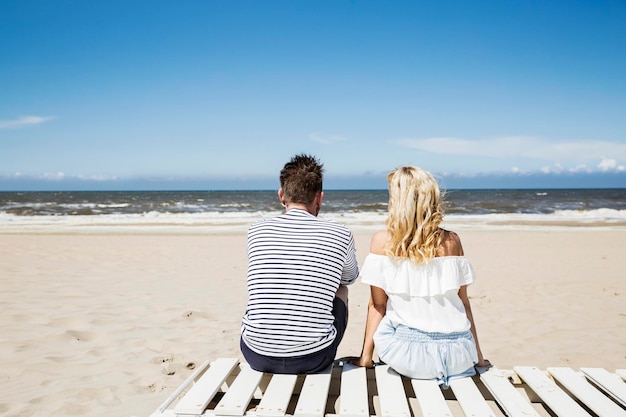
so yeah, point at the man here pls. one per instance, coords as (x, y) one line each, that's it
(298, 269)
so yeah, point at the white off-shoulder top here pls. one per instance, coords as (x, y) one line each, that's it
(423, 296)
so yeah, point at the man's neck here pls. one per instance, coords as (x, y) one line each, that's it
(310, 209)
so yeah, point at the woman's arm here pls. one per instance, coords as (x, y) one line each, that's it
(482, 362)
(451, 246)
(377, 307)
(375, 312)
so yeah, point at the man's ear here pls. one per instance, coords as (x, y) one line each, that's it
(317, 203)
(281, 197)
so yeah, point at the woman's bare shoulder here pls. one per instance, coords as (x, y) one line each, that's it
(450, 244)
(378, 242)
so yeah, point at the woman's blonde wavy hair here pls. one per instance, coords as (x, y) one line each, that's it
(415, 213)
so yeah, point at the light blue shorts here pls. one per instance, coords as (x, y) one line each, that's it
(423, 355)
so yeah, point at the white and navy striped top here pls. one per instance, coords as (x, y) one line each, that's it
(296, 263)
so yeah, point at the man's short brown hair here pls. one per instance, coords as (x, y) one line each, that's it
(301, 179)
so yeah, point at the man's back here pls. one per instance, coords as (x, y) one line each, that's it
(296, 263)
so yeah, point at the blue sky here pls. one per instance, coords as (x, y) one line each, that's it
(219, 94)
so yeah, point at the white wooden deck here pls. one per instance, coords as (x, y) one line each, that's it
(225, 387)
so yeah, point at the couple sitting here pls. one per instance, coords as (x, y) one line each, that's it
(419, 316)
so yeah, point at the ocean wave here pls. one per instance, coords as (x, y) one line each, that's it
(603, 213)
(241, 220)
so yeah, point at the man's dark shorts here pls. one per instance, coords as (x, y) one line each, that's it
(307, 364)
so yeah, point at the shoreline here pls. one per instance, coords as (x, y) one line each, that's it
(109, 323)
(241, 227)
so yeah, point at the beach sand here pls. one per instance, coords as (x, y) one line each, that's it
(109, 324)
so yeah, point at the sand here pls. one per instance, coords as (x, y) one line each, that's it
(110, 323)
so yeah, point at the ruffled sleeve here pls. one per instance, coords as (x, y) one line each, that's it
(438, 276)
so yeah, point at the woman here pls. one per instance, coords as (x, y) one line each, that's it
(419, 315)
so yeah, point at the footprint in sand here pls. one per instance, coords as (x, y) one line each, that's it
(145, 385)
(163, 359)
(75, 336)
(178, 368)
(169, 370)
(81, 336)
(191, 314)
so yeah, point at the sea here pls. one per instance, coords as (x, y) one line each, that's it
(228, 210)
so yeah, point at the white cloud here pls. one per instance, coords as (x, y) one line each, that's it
(609, 164)
(98, 177)
(580, 168)
(573, 153)
(496, 148)
(54, 176)
(326, 139)
(518, 146)
(61, 176)
(24, 121)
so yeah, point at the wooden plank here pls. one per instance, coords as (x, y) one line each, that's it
(236, 400)
(314, 395)
(578, 386)
(353, 401)
(470, 399)
(588, 386)
(506, 395)
(553, 396)
(198, 397)
(159, 411)
(430, 398)
(608, 382)
(391, 395)
(277, 395)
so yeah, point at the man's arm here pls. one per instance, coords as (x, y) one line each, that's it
(351, 266)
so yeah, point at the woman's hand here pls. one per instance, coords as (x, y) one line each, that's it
(362, 362)
(483, 364)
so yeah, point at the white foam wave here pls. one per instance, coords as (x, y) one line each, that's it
(241, 220)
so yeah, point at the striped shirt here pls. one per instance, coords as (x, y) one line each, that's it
(296, 263)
